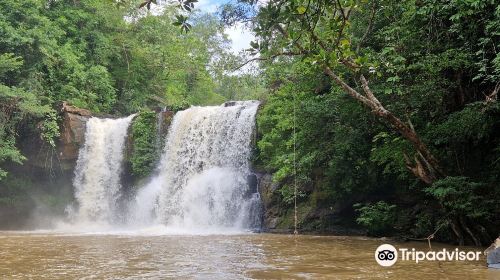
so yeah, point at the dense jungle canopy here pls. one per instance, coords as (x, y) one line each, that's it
(389, 108)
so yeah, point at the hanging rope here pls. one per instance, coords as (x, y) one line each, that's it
(294, 169)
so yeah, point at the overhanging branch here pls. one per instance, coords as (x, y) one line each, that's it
(268, 58)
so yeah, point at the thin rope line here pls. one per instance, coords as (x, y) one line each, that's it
(294, 167)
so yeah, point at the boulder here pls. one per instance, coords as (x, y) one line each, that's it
(66, 108)
(267, 188)
(493, 254)
(229, 103)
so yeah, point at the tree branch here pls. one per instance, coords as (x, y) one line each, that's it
(352, 92)
(494, 95)
(345, 18)
(268, 58)
(369, 93)
(370, 25)
(377, 108)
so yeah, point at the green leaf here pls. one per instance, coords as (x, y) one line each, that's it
(301, 10)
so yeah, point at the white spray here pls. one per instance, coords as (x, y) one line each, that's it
(202, 177)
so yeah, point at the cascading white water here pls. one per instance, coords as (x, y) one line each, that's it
(201, 183)
(202, 177)
(98, 170)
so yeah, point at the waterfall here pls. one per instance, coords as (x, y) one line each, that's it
(98, 170)
(202, 178)
(202, 183)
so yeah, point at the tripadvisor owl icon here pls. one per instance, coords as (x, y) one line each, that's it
(386, 255)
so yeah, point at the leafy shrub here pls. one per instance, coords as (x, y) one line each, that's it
(378, 218)
(287, 194)
(179, 106)
(462, 197)
(144, 151)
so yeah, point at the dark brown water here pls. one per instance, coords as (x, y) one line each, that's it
(253, 256)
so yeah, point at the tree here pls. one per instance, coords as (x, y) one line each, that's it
(409, 63)
(16, 106)
(318, 31)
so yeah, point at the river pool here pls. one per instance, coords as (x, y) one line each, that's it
(48, 255)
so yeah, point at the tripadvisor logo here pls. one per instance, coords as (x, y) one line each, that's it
(387, 255)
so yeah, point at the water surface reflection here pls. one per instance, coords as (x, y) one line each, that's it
(253, 256)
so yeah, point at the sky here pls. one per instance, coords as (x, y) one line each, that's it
(240, 37)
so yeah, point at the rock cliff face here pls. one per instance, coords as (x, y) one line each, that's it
(42, 185)
(61, 158)
(72, 134)
(267, 190)
(278, 216)
(165, 119)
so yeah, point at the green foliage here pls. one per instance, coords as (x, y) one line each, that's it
(111, 58)
(378, 218)
(424, 225)
(49, 128)
(16, 106)
(105, 56)
(179, 106)
(430, 63)
(96, 90)
(462, 197)
(14, 191)
(388, 151)
(475, 124)
(144, 151)
(9, 62)
(288, 194)
(332, 134)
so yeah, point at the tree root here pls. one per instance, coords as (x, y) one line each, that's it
(458, 232)
(476, 241)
